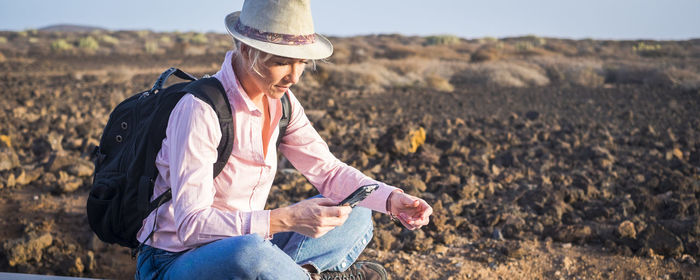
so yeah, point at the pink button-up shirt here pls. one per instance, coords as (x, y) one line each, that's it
(205, 209)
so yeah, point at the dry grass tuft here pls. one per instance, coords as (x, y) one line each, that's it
(572, 71)
(439, 83)
(502, 74)
(370, 77)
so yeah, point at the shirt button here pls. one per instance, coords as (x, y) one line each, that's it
(343, 264)
(364, 241)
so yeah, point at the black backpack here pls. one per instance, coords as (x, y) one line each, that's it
(125, 169)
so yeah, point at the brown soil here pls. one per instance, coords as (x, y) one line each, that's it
(548, 181)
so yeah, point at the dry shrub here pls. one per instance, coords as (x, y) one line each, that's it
(652, 75)
(502, 74)
(452, 52)
(372, 77)
(439, 83)
(119, 75)
(341, 54)
(422, 67)
(683, 78)
(2, 58)
(429, 73)
(488, 52)
(396, 51)
(565, 47)
(637, 73)
(151, 47)
(569, 71)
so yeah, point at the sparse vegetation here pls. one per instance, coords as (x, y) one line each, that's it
(109, 40)
(3, 40)
(88, 43)
(488, 39)
(199, 39)
(502, 74)
(441, 40)
(165, 39)
(61, 45)
(151, 47)
(643, 47)
(143, 33)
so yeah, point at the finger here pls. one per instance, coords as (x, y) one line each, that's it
(324, 201)
(332, 222)
(337, 211)
(408, 201)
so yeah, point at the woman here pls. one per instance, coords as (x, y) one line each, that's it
(217, 228)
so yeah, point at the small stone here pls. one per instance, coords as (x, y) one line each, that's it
(77, 267)
(91, 262)
(8, 158)
(626, 230)
(497, 235)
(67, 183)
(440, 249)
(566, 245)
(678, 153)
(688, 259)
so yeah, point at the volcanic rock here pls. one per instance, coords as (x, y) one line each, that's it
(402, 140)
(661, 240)
(26, 248)
(67, 183)
(626, 230)
(573, 233)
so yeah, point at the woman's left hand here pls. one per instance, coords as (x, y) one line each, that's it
(413, 212)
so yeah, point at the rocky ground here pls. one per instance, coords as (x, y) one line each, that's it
(529, 178)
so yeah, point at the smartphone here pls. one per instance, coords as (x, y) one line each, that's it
(358, 195)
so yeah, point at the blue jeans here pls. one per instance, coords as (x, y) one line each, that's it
(252, 257)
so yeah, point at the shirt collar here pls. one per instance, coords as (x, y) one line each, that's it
(233, 87)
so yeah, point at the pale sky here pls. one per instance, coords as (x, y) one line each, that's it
(597, 19)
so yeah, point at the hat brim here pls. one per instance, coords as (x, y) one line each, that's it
(321, 48)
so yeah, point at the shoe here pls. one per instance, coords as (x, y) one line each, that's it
(357, 271)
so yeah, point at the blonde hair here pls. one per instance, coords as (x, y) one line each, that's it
(258, 57)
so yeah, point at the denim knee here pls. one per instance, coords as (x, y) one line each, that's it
(248, 252)
(361, 218)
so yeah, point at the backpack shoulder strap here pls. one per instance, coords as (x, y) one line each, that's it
(286, 116)
(211, 91)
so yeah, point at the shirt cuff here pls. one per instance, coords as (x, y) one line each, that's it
(260, 223)
(377, 200)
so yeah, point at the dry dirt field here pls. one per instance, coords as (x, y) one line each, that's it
(543, 158)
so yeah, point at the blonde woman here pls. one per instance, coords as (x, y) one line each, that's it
(217, 228)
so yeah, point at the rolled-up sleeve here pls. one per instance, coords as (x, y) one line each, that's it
(309, 153)
(193, 135)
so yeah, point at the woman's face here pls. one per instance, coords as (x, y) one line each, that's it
(278, 74)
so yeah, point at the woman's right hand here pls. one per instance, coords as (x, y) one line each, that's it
(312, 217)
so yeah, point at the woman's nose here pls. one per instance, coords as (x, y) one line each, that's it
(295, 72)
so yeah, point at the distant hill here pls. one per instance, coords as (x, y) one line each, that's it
(71, 28)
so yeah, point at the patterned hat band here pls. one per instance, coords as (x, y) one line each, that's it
(275, 38)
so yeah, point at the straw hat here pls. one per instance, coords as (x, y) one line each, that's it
(279, 27)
